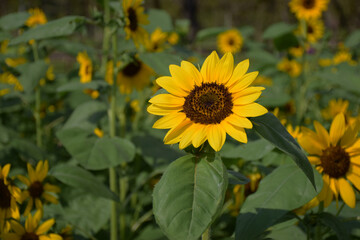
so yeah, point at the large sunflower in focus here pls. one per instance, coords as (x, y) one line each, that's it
(308, 9)
(207, 105)
(135, 17)
(336, 155)
(230, 41)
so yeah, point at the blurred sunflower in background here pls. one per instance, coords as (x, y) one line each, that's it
(230, 41)
(291, 67)
(335, 106)
(156, 41)
(173, 38)
(135, 75)
(37, 17)
(207, 105)
(314, 30)
(336, 156)
(308, 9)
(86, 67)
(37, 191)
(135, 17)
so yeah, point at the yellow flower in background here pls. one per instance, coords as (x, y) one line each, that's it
(94, 94)
(262, 81)
(294, 132)
(135, 75)
(343, 56)
(135, 17)
(135, 105)
(325, 62)
(4, 91)
(297, 51)
(207, 105)
(86, 68)
(98, 132)
(32, 229)
(37, 17)
(37, 191)
(13, 62)
(9, 78)
(173, 38)
(109, 75)
(291, 67)
(334, 108)
(336, 156)
(230, 41)
(314, 30)
(3, 46)
(156, 41)
(308, 9)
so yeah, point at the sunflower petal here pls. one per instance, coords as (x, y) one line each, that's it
(337, 128)
(347, 192)
(244, 82)
(314, 160)
(174, 135)
(250, 110)
(322, 134)
(247, 99)
(237, 133)
(183, 78)
(238, 121)
(5, 170)
(225, 68)
(43, 228)
(193, 71)
(170, 85)
(216, 136)
(186, 139)
(167, 99)
(207, 69)
(350, 135)
(51, 188)
(24, 179)
(11, 236)
(162, 110)
(200, 135)
(239, 72)
(17, 227)
(354, 178)
(170, 121)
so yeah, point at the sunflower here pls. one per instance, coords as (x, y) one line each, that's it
(9, 196)
(208, 104)
(135, 75)
(173, 38)
(336, 155)
(335, 107)
(230, 41)
(32, 229)
(86, 67)
(314, 30)
(135, 17)
(37, 191)
(156, 41)
(343, 56)
(308, 9)
(37, 17)
(291, 67)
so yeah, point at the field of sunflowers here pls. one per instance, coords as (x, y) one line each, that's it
(141, 132)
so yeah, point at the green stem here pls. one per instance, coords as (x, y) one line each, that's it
(318, 234)
(123, 189)
(206, 234)
(37, 102)
(340, 209)
(107, 36)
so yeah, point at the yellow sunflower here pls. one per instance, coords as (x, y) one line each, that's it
(173, 38)
(314, 30)
(32, 229)
(37, 17)
(135, 75)
(230, 41)
(294, 132)
(156, 41)
(335, 107)
(9, 196)
(308, 9)
(13, 62)
(343, 56)
(135, 17)
(86, 67)
(291, 67)
(37, 191)
(336, 155)
(208, 104)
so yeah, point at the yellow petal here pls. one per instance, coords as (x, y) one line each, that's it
(17, 227)
(193, 71)
(208, 67)
(187, 137)
(334, 187)
(50, 198)
(174, 135)
(167, 99)
(200, 135)
(31, 173)
(28, 207)
(43, 228)
(244, 82)
(170, 121)
(5, 170)
(11, 236)
(162, 110)
(224, 68)
(38, 204)
(24, 179)
(216, 136)
(238, 121)
(310, 142)
(322, 134)
(51, 188)
(247, 99)
(350, 135)
(170, 85)
(44, 172)
(247, 91)
(337, 128)
(239, 72)
(354, 178)
(39, 167)
(347, 192)
(250, 110)
(314, 160)
(183, 78)
(237, 133)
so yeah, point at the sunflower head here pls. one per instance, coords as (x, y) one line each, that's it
(230, 41)
(291, 67)
(156, 41)
(308, 9)
(314, 30)
(86, 67)
(335, 107)
(37, 17)
(207, 105)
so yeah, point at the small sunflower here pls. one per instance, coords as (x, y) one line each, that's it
(342, 56)
(135, 75)
(37, 17)
(314, 30)
(335, 107)
(135, 17)
(291, 67)
(37, 191)
(156, 41)
(336, 156)
(173, 38)
(86, 67)
(32, 229)
(308, 9)
(230, 41)
(208, 104)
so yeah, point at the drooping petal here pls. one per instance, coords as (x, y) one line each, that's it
(45, 226)
(170, 121)
(174, 135)
(193, 71)
(162, 110)
(350, 135)
(170, 85)
(216, 136)
(310, 142)
(244, 82)
(237, 133)
(17, 227)
(238, 121)
(167, 99)
(239, 72)
(200, 135)
(186, 138)
(183, 78)
(250, 110)
(354, 178)
(225, 68)
(347, 192)
(337, 128)
(314, 160)
(208, 67)
(51, 188)
(322, 134)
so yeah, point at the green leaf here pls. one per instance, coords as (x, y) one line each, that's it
(80, 178)
(160, 62)
(13, 20)
(262, 57)
(285, 189)
(278, 29)
(353, 40)
(27, 149)
(237, 178)
(269, 127)
(335, 224)
(250, 151)
(5, 36)
(285, 41)
(77, 85)
(274, 96)
(189, 196)
(57, 28)
(31, 73)
(158, 19)
(209, 33)
(96, 153)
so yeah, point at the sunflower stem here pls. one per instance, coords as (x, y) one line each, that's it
(37, 101)
(206, 234)
(318, 234)
(107, 36)
(340, 209)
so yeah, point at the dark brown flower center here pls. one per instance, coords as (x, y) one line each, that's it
(208, 104)
(36, 189)
(29, 236)
(132, 19)
(310, 29)
(335, 161)
(5, 196)
(308, 4)
(231, 41)
(132, 68)
(87, 69)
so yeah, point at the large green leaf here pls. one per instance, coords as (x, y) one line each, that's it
(160, 62)
(277, 30)
(77, 85)
(96, 153)
(285, 189)
(189, 196)
(31, 73)
(271, 129)
(250, 151)
(209, 32)
(353, 40)
(13, 20)
(57, 28)
(80, 178)
(159, 19)
(335, 224)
